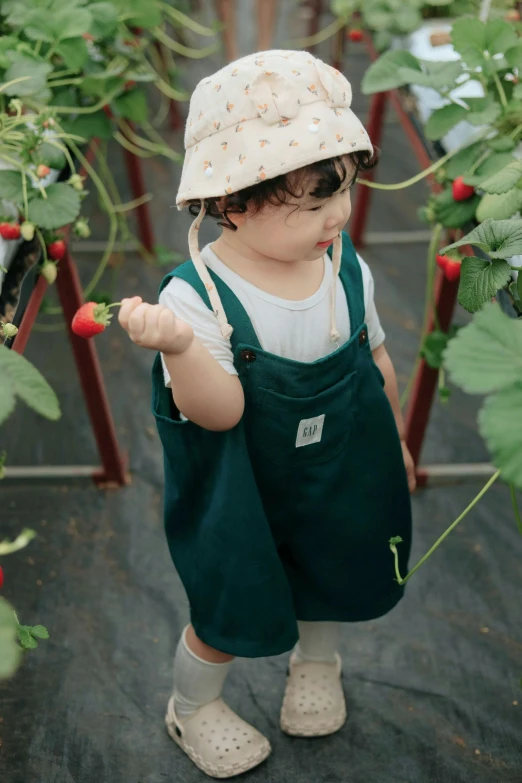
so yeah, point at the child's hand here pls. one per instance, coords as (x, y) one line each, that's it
(154, 326)
(410, 467)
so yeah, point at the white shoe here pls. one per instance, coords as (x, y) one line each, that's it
(217, 740)
(314, 704)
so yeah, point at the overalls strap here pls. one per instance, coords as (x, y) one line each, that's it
(236, 314)
(352, 280)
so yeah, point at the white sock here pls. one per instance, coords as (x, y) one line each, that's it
(318, 642)
(196, 682)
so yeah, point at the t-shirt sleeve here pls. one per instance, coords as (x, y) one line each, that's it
(187, 305)
(376, 333)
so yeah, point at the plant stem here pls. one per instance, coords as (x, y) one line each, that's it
(516, 509)
(186, 21)
(501, 93)
(42, 243)
(421, 175)
(322, 35)
(185, 51)
(446, 533)
(24, 191)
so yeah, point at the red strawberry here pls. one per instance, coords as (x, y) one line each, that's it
(56, 250)
(88, 36)
(92, 318)
(442, 262)
(452, 270)
(461, 191)
(355, 35)
(129, 85)
(1, 577)
(10, 230)
(42, 171)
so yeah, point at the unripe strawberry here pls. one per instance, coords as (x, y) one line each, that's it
(49, 271)
(27, 230)
(81, 228)
(42, 171)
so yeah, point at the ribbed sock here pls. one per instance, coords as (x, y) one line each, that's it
(318, 642)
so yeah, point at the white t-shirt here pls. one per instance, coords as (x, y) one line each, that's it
(298, 330)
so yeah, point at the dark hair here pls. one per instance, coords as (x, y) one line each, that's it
(331, 174)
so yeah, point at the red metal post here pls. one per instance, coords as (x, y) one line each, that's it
(88, 366)
(418, 412)
(29, 316)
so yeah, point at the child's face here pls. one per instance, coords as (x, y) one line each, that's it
(300, 230)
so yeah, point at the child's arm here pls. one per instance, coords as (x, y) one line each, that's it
(203, 391)
(384, 363)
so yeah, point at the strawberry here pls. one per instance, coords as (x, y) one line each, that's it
(76, 181)
(442, 262)
(129, 84)
(42, 171)
(88, 36)
(81, 228)
(92, 318)
(9, 230)
(355, 35)
(450, 267)
(452, 270)
(8, 331)
(56, 250)
(461, 191)
(27, 230)
(1, 577)
(49, 271)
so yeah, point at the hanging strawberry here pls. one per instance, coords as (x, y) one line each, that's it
(9, 229)
(355, 35)
(42, 171)
(450, 267)
(461, 191)
(56, 250)
(1, 577)
(27, 230)
(49, 271)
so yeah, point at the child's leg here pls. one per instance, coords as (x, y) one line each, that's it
(314, 704)
(318, 641)
(199, 673)
(217, 740)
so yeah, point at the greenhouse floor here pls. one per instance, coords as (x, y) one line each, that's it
(433, 689)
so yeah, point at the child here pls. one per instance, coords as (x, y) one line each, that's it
(284, 460)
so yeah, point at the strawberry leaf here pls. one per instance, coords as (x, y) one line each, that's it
(498, 426)
(499, 206)
(486, 355)
(18, 378)
(62, 206)
(443, 120)
(480, 280)
(40, 631)
(503, 180)
(385, 73)
(499, 238)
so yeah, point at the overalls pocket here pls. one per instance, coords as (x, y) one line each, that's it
(296, 431)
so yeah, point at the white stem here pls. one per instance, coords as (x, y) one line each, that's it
(485, 8)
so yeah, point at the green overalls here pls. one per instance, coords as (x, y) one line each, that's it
(287, 516)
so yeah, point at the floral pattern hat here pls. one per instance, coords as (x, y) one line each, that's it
(261, 116)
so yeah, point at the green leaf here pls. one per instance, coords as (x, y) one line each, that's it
(10, 652)
(23, 66)
(19, 377)
(451, 213)
(39, 631)
(462, 161)
(377, 18)
(483, 111)
(61, 207)
(499, 422)
(11, 186)
(132, 105)
(514, 56)
(519, 286)
(517, 92)
(501, 143)
(480, 280)
(407, 19)
(469, 39)
(499, 207)
(25, 638)
(503, 180)
(434, 346)
(384, 74)
(139, 13)
(499, 238)
(486, 355)
(495, 162)
(104, 19)
(382, 40)
(443, 120)
(74, 52)
(8, 44)
(52, 156)
(500, 36)
(90, 126)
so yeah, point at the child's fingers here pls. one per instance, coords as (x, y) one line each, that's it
(127, 306)
(136, 323)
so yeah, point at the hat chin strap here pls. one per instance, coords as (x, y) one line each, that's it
(336, 267)
(204, 275)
